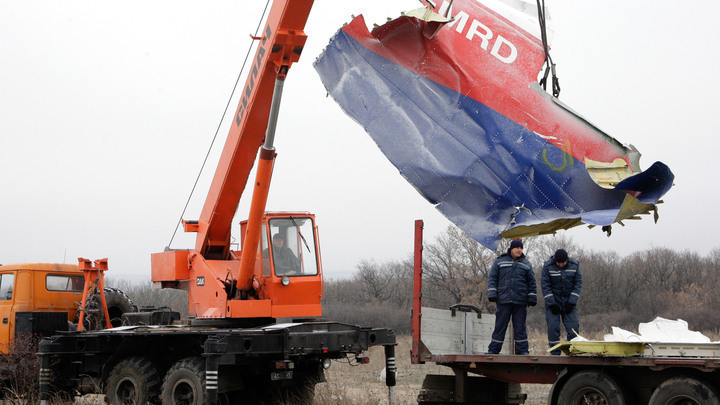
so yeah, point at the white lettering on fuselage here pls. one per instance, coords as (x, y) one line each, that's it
(502, 49)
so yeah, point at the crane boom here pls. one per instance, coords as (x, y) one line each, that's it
(279, 47)
(277, 273)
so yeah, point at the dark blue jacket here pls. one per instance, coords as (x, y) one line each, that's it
(561, 286)
(512, 281)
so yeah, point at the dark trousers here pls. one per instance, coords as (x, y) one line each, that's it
(570, 321)
(503, 314)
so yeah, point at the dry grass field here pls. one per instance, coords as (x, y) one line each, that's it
(363, 384)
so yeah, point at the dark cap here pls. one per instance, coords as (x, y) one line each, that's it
(278, 236)
(561, 256)
(516, 243)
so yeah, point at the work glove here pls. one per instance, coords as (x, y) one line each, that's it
(492, 299)
(555, 309)
(532, 303)
(568, 308)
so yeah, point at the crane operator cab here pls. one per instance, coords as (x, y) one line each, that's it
(291, 266)
(284, 279)
(290, 254)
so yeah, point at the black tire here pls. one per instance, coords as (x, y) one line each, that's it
(591, 388)
(684, 391)
(132, 381)
(184, 383)
(118, 303)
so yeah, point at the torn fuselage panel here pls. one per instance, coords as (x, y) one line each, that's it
(463, 119)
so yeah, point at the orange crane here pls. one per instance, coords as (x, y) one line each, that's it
(255, 282)
(231, 350)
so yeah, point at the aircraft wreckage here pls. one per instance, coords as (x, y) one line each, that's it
(452, 99)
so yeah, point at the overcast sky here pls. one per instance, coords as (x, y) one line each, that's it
(107, 111)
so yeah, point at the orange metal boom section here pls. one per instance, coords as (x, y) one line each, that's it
(281, 44)
(227, 284)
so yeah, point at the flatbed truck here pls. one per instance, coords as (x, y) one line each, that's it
(458, 337)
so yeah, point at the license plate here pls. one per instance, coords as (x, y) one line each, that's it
(281, 375)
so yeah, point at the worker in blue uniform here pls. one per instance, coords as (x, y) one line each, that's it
(512, 287)
(561, 283)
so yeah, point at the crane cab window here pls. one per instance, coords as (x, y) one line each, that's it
(292, 243)
(62, 282)
(6, 286)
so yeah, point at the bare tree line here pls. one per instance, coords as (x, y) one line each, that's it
(617, 291)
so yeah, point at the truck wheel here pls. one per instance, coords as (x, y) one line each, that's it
(591, 387)
(684, 391)
(184, 383)
(132, 381)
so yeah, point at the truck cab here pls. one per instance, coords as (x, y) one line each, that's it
(292, 273)
(284, 280)
(37, 299)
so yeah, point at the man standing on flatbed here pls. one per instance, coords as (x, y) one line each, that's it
(511, 285)
(561, 283)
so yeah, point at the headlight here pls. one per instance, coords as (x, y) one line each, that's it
(285, 280)
(326, 364)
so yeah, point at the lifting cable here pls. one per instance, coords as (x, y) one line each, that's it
(549, 65)
(227, 106)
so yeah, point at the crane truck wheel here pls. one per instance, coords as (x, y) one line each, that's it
(686, 391)
(591, 387)
(184, 383)
(132, 381)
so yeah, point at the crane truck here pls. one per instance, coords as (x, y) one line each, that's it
(254, 331)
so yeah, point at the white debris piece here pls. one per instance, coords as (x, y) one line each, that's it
(662, 338)
(666, 330)
(660, 330)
